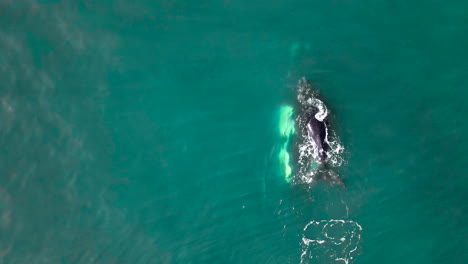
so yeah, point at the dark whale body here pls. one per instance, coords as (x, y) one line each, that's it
(312, 127)
(317, 133)
(312, 119)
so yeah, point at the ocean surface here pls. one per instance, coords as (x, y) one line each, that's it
(147, 131)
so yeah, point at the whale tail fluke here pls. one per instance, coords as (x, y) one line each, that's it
(331, 176)
(335, 179)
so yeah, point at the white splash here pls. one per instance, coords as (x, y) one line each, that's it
(336, 241)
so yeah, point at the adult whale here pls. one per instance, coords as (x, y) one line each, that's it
(310, 148)
(317, 132)
(312, 115)
(313, 134)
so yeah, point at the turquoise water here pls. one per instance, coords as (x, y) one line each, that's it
(146, 131)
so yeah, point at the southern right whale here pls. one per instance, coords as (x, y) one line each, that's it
(312, 143)
(317, 132)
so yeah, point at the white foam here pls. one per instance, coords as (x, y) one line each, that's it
(338, 239)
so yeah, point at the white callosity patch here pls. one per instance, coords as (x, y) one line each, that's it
(309, 160)
(330, 241)
(322, 111)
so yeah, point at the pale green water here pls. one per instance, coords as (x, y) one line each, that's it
(145, 132)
